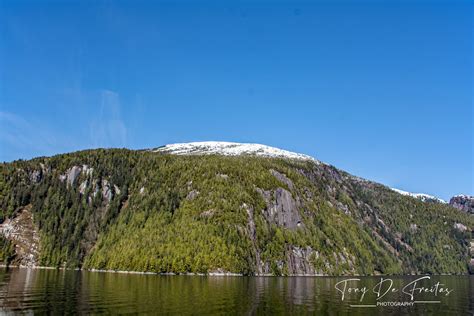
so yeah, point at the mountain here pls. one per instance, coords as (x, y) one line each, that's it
(463, 202)
(217, 207)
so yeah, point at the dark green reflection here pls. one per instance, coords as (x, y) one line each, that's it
(71, 292)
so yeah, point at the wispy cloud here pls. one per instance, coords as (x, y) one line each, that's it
(108, 129)
(25, 136)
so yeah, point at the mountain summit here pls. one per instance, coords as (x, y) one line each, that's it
(230, 149)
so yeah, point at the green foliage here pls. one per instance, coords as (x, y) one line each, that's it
(436, 247)
(7, 251)
(154, 223)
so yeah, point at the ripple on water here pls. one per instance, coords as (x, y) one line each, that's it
(62, 292)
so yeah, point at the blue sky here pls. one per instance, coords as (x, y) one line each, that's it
(383, 90)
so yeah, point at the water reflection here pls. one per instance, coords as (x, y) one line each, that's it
(64, 292)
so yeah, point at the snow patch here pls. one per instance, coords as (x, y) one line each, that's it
(231, 149)
(421, 196)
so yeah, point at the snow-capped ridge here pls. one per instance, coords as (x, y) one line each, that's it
(251, 149)
(421, 196)
(230, 149)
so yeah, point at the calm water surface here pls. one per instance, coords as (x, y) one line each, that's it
(78, 292)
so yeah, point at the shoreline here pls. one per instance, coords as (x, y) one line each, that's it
(122, 271)
(218, 274)
(231, 274)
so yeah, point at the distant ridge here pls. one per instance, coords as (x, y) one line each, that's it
(421, 196)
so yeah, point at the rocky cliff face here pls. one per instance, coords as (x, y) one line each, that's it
(22, 231)
(464, 203)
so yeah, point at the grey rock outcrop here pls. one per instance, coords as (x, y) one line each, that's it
(460, 227)
(282, 178)
(83, 186)
(299, 260)
(281, 208)
(252, 230)
(72, 174)
(36, 176)
(464, 203)
(107, 192)
(22, 231)
(192, 195)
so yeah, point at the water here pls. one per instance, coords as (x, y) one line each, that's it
(71, 292)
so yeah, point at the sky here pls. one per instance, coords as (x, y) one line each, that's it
(381, 89)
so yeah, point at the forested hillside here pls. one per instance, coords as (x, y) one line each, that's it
(148, 211)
